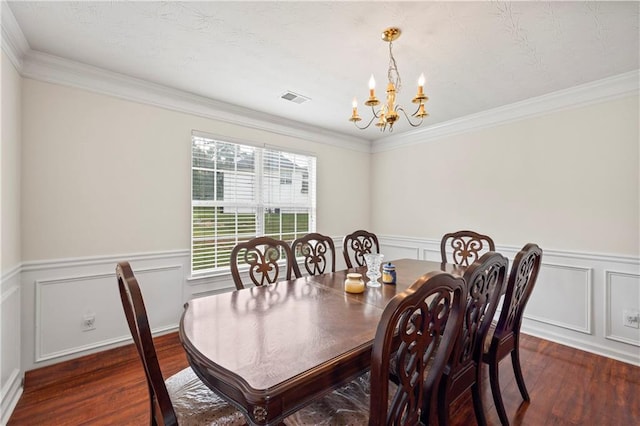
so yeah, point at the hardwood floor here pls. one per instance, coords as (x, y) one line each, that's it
(567, 387)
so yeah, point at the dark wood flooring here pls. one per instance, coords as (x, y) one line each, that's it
(567, 387)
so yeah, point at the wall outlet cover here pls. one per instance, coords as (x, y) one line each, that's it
(631, 319)
(88, 322)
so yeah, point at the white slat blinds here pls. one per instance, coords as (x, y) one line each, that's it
(240, 192)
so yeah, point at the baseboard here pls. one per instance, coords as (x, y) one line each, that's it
(11, 393)
(582, 345)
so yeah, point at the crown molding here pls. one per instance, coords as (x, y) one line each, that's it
(14, 43)
(57, 70)
(610, 88)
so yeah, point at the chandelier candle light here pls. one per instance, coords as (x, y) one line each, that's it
(387, 115)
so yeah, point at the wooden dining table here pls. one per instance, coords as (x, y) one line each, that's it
(270, 350)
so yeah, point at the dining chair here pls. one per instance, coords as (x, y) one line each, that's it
(503, 337)
(356, 245)
(318, 252)
(413, 342)
(182, 398)
(263, 255)
(466, 247)
(484, 279)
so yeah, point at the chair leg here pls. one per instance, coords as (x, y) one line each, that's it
(152, 410)
(517, 371)
(426, 412)
(443, 402)
(477, 401)
(495, 391)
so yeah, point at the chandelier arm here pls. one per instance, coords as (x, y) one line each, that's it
(368, 124)
(399, 108)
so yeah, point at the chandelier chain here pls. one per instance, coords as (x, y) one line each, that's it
(393, 69)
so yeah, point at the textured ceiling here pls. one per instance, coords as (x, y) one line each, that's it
(475, 55)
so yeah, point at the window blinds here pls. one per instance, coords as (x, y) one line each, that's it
(240, 192)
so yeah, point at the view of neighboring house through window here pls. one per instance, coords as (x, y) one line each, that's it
(242, 191)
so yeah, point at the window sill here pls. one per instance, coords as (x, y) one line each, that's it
(209, 276)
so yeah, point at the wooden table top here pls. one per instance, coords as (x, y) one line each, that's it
(271, 349)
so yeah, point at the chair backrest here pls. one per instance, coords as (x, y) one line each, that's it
(161, 407)
(422, 323)
(317, 250)
(484, 279)
(522, 279)
(466, 247)
(262, 254)
(356, 245)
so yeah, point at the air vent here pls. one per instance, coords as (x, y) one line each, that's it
(294, 97)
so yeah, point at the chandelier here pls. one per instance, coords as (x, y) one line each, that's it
(388, 113)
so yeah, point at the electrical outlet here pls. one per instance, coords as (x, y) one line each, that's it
(89, 322)
(631, 319)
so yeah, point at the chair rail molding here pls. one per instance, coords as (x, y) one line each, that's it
(578, 300)
(10, 281)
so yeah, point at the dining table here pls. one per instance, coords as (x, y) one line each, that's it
(270, 350)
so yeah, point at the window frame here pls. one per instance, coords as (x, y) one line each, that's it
(262, 207)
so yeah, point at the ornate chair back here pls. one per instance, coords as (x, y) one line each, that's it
(523, 276)
(263, 255)
(413, 342)
(356, 245)
(505, 338)
(466, 247)
(162, 411)
(318, 252)
(485, 279)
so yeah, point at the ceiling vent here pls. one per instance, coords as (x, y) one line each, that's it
(294, 97)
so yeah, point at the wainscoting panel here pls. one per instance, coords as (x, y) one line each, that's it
(562, 297)
(59, 325)
(622, 296)
(399, 252)
(575, 302)
(58, 295)
(10, 371)
(206, 286)
(578, 300)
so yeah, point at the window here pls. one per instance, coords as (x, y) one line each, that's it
(304, 188)
(286, 177)
(239, 192)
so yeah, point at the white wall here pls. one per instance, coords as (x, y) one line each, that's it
(10, 214)
(568, 181)
(106, 176)
(105, 179)
(10, 303)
